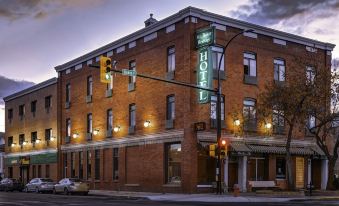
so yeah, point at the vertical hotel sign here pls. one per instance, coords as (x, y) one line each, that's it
(204, 38)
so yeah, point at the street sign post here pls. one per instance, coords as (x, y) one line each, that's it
(128, 72)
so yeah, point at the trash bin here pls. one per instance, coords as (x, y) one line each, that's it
(236, 190)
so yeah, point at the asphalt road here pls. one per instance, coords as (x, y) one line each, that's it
(21, 199)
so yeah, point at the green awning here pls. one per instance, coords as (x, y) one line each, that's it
(44, 158)
(9, 161)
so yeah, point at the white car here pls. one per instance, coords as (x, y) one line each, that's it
(71, 186)
(39, 185)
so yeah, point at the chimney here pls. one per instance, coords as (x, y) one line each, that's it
(150, 21)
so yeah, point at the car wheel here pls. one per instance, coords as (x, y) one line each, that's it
(37, 190)
(66, 192)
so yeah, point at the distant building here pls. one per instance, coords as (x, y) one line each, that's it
(2, 153)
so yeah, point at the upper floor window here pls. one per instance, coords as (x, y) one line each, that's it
(68, 92)
(249, 114)
(250, 68)
(216, 56)
(279, 70)
(21, 139)
(48, 102)
(170, 107)
(214, 107)
(10, 114)
(171, 59)
(109, 120)
(311, 121)
(22, 110)
(48, 134)
(34, 137)
(68, 127)
(132, 115)
(9, 141)
(89, 123)
(310, 74)
(278, 121)
(89, 86)
(132, 66)
(33, 107)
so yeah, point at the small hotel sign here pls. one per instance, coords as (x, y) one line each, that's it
(204, 74)
(205, 37)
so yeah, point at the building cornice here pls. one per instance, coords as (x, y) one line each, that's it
(31, 89)
(202, 14)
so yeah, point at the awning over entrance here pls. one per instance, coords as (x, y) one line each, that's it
(239, 147)
(280, 149)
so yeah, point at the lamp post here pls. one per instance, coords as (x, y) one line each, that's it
(219, 111)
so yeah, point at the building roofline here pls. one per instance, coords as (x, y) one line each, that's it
(31, 89)
(202, 14)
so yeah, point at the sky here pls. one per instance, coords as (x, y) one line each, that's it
(37, 35)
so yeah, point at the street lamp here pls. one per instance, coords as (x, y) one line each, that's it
(219, 110)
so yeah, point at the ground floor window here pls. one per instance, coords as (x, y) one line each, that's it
(64, 171)
(47, 171)
(115, 163)
(97, 164)
(173, 163)
(206, 164)
(39, 171)
(280, 168)
(10, 172)
(34, 171)
(258, 168)
(89, 164)
(73, 164)
(81, 165)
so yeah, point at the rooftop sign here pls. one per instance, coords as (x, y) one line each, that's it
(205, 37)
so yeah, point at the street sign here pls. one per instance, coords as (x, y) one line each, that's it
(205, 37)
(129, 72)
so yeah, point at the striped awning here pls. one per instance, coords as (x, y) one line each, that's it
(280, 149)
(239, 147)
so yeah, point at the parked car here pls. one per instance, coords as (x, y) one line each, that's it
(10, 184)
(39, 185)
(71, 186)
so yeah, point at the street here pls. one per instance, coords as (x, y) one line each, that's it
(16, 198)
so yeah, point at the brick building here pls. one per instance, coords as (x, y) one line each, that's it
(31, 132)
(138, 134)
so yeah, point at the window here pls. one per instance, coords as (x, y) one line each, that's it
(89, 123)
(34, 136)
(173, 163)
(214, 107)
(311, 122)
(132, 66)
(47, 171)
(48, 102)
(278, 121)
(21, 139)
(68, 92)
(115, 163)
(109, 120)
(132, 116)
(22, 111)
(73, 164)
(34, 171)
(81, 165)
(10, 114)
(206, 165)
(280, 168)
(89, 164)
(250, 68)
(171, 59)
(170, 107)
(64, 172)
(39, 171)
(249, 114)
(10, 172)
(216, 55)
(310, 74)
(97, 164)
(48, 134)
(9, 141)
(89, 86)
(279, 70)
(33, 107)
(258, 168)
(68, 127)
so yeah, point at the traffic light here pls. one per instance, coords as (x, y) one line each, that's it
(223, 148)
(212, 150)
(105, 69)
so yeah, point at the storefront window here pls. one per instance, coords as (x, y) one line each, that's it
(206, 165)
(258, 168)
(173, 163)
(281, 168)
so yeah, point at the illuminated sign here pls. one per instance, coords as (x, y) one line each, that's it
(204, 74)
(205, 37)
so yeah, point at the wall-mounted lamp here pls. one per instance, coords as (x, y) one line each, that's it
(37, 141)
(24, 143)
(237, 122)
(52, 139)
(75, 135)
(147, 123)
(116, 128)
(96, 131)
(13, 144)
(268, 125)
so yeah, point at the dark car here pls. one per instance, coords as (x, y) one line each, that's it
(10, 184)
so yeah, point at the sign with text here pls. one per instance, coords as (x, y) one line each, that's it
(129, 72)
(205, 37)
(204, 74)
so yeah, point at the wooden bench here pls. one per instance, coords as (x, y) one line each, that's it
(254, 185)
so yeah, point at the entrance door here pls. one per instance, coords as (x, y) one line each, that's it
(24, 173)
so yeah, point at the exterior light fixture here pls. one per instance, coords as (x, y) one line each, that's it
(116, 128)
(147, 123)
(237, 122)
(96, 131)
(52, 139)
(268, 125)
(13, 144)
(37, 141)
(75, 135)
(223, 142)
(24, 143)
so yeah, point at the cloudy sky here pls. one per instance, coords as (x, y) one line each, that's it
(37, 35)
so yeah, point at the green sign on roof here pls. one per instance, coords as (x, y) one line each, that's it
(205, 37)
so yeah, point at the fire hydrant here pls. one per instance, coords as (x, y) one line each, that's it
(236, 190)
